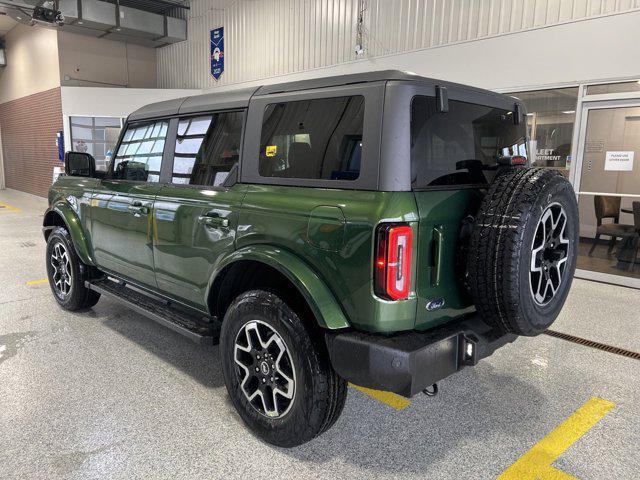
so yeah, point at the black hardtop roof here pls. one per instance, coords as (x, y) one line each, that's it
(239, 98)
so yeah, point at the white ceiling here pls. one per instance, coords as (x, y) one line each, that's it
(6, 24)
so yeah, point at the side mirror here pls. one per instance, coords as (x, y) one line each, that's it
(79, 164)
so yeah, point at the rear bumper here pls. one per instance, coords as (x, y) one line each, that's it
(406, 363)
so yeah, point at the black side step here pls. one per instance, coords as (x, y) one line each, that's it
(199, 330)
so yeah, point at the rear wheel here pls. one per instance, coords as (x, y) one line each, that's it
(279, 381)
(523, 250)
(67, 273)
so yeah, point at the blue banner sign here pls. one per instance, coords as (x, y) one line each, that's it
(217, 52)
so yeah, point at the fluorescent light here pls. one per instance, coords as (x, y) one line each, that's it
(3, 58)
(568, 111)
(529, 114)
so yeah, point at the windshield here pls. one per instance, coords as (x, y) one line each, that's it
(460, 147)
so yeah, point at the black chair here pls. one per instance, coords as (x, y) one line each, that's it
(609, 207)
(636, 221)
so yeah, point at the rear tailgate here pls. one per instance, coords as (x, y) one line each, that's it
(441, 254)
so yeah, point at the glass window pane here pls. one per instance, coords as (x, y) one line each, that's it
(550, 120)
(82, 146)
(87, 121)
(207, 159)
(620, 87)
(140, 132)
(460, 147)
(183, 165)
(188, 145)
(98, 151)
(313, 139)
(83, 133)
(107, 122)
(182, 127)
(199, 126)
(139, 157)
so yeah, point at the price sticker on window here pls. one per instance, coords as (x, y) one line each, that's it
(271, 150)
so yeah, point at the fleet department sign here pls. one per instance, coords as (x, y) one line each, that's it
(216, 53)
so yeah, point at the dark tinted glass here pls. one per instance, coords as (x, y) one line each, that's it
(460, 147)
(313, 139)
(207, 148)
(140, 154)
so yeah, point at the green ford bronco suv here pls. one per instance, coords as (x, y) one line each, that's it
(382, 229)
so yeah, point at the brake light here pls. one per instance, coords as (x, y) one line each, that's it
(392, 272)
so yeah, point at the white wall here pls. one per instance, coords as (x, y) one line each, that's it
(97, 61)
(110, 102)
(32, 62)
(476, 41)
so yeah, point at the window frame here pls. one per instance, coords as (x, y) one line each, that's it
(166, 173)
(373, 94)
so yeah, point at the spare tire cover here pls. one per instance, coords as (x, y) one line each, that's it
(523, 248)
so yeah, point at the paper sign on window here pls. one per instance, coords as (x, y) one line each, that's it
(619, 161)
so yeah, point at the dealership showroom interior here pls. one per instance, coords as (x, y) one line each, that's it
(320, 239)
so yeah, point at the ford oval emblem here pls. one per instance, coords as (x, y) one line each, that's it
(435, 304)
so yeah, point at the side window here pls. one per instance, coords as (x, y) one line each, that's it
(462, 146)
(207, 148)
(140, 154)
(313, 139)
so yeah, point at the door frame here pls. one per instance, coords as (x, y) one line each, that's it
(585, 105)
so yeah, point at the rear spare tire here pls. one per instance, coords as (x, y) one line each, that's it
(523, 249)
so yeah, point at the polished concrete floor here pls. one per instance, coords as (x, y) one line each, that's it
(108, 394)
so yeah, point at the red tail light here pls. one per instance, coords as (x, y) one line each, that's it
(392, 272)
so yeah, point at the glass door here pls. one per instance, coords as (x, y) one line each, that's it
(607, 180)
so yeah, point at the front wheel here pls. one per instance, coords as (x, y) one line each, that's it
(279, 381)
(67, 273)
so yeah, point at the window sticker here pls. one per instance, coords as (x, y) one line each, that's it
(271, 150)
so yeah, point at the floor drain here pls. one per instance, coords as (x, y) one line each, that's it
(590, 343)
(27, 244)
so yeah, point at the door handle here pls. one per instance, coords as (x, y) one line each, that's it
(436, 255)
(138, 208)
(213, 220)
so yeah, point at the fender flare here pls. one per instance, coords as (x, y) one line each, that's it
(74, 227)
(321, 300)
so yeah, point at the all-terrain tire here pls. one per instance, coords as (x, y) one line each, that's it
(517, 248)
(76, 296)
(319, 393)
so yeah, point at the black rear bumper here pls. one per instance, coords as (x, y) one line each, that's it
(406, 363)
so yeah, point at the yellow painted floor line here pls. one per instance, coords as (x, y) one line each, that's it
(536, 463)
(6, 206)
(394, 401)
(38, 282)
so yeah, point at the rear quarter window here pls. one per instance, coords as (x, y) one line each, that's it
(312, 139)
(460, 147)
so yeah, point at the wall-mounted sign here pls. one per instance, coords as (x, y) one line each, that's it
(619, 161)
(216, 53)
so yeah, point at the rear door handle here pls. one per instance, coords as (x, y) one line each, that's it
(213, 220)
(436, 255)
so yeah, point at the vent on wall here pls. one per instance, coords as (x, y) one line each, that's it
(153, 23)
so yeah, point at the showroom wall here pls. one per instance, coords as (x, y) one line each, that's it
(88, 61)
(32, 62)
(29, 126)
(495, 43)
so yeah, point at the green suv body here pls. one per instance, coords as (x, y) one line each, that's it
(346, 204)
